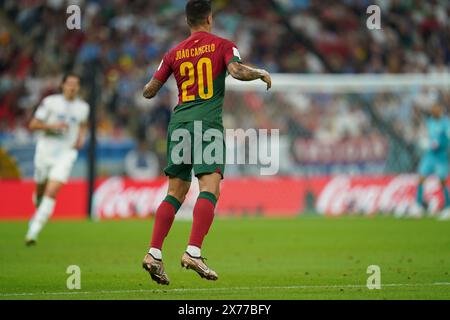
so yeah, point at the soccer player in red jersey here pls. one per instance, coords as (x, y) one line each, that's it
(200, 64)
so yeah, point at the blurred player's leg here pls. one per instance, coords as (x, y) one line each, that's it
(445, 214)
(203, 218)
(442, 172)
(165, 214)
(57, 172)
(420, 206)
(419, 196)
(426, 168)
(39, 194)
(446, 194)
(43, 212)
(41, 171)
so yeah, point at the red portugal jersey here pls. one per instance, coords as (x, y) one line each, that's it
(199, 65)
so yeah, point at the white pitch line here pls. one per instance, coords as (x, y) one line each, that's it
(435, 284)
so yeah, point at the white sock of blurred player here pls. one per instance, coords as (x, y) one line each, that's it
(40, 217)
(445, 215)
(416, 211)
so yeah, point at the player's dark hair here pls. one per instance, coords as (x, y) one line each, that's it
(197, 11)
(69, 75)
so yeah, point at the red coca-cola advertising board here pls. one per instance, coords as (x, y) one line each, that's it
(123, 198)
(16, 200)
(120, 198)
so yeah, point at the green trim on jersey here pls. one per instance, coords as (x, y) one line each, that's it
(234, 59)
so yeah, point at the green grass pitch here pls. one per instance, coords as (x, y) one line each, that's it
(302, 258)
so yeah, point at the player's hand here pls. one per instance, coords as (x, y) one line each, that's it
(267, 79)
(57, 128)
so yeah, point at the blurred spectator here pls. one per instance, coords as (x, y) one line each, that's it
(141, 164)
(127, 39)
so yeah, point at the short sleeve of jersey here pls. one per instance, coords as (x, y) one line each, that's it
(231, 53)
(43, 110)
(164, 70)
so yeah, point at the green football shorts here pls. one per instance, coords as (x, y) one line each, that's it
(195, 145)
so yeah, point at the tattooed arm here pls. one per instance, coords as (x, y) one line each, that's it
(242, 72)
(152, 88)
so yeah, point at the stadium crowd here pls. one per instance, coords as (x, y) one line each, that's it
(124, 41)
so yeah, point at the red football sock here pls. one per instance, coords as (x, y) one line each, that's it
(163, 220)
(203, 218)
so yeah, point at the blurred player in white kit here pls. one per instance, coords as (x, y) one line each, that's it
(62, 120)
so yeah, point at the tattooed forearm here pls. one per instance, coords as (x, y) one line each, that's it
(152, 88)
(244, 73)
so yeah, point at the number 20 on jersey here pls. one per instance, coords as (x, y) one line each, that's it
(196, 74)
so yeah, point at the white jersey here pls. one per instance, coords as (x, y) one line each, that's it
(56, 109)
(55, 152)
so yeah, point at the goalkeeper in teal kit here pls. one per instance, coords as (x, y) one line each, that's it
(434, 160)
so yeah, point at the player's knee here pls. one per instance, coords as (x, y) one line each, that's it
(52, 189)
(178, 193)
(210, 183)
(216, 191)
(50, 193)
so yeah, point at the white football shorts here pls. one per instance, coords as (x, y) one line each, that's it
(56, 167)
